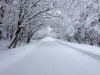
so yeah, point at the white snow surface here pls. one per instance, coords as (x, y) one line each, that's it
(3, 45)
(88, 48)
(47, 58)
(48, 39)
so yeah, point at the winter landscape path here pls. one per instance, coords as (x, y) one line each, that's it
(52, 58)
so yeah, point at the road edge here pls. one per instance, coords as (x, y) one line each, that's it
(80, 50)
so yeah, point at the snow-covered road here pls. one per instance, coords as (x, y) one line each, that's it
(52, 58)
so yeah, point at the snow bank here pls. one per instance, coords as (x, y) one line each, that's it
(3, 45)
(88, 48)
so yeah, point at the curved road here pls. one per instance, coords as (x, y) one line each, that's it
(53, 58)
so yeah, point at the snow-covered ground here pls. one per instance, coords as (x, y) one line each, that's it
(88, 48)
(3, 45)
(48, 39)
(10, 56)
(47, 57)
(15, 51)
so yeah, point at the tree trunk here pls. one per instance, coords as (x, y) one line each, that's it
(76, 38)
(15, 41)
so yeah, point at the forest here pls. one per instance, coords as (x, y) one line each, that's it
(70, 20)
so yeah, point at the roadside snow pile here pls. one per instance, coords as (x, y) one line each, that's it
(88, 48)
(3, 45)
(18, 52)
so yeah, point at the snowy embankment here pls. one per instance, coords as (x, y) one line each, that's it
(3, 45)
(13, 55)
(82, 47)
